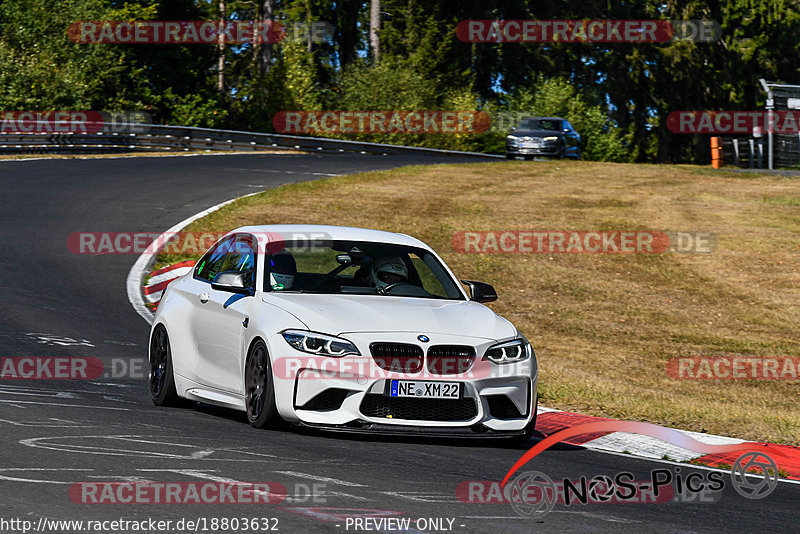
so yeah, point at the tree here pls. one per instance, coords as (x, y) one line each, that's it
(263, 51)
(374, 30)
(221, 49)
(42, 69)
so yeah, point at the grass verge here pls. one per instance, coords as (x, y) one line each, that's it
(603, 326)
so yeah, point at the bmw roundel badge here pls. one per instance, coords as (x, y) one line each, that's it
(423, 338)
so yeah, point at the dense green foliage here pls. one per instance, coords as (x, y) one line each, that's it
(616, 95)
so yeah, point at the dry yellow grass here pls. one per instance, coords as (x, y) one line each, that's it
(604, 326)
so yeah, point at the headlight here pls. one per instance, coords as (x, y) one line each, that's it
(512, 139)
(320, 344)
(513, 351)
(551, 138)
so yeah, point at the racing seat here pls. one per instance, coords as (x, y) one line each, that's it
(362, 277)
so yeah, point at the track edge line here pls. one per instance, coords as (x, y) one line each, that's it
(145, 261)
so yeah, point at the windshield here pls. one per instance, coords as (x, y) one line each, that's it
(356, 267)
(541, 124)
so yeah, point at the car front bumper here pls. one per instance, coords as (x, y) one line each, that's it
(352, 393)
(544, 150)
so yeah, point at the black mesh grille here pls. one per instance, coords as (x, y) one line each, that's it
(450, 359)
(397, 357)
(419, 409)
(328, 400)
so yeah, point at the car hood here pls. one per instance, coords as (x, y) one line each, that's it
(535, 133)
(339, 314)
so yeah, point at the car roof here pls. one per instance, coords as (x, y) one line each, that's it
(543, 118)
(342, 233)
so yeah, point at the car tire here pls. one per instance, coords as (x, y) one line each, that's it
(161, 380)
(562, 151)
(259, 389)
(510, 156)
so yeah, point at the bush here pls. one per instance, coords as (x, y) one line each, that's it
(197, 110)
(393, 86)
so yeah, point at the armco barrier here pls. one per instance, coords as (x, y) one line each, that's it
(159, 138)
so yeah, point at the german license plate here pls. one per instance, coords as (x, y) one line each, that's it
(531, 144)
(425, 390)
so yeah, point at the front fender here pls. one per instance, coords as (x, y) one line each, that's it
(267, 325)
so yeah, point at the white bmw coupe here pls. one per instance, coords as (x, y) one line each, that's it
(342, 329)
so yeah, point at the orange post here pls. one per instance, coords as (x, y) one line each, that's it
(716, 152)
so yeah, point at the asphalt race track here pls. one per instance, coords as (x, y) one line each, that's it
(56, 433)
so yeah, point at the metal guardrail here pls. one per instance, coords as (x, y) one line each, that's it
(127, 137)
(745, 152)
(753, 152)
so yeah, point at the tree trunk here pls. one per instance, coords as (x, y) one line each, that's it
(221, 50)
(374, 28)
(263, 50)
(309, 43)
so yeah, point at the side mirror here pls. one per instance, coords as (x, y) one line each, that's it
(232, 282)
(480, 292)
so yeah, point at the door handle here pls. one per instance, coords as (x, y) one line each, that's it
(203, 297)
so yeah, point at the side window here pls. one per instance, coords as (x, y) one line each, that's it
(241, 257)
(213, 262)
